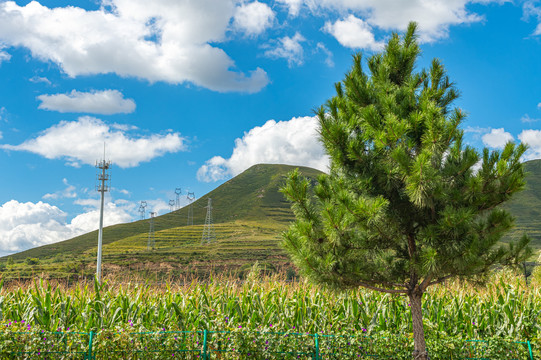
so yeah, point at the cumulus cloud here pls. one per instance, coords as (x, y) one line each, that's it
(531, 9)
(533, 139)
(354, 33)
(253, 18)
(4, 56)
(160, 40)
(68, 192)
(40, 79)
(497, 138)
(288, 48)
(27, 225)
(527, 119)
(293, 142)
(328, 60)
(82, 141)
(434, 17)
(293, 6)
(105, 102)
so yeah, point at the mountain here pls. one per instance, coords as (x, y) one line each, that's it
(249, 214)
(526, 206)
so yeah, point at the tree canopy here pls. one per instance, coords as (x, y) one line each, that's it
(406, 203)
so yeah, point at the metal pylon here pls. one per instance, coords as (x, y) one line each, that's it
(209, 235)
(178, 191)
(151, 244)
(191, 198)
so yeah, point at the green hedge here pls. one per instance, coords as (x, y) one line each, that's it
(242, 344)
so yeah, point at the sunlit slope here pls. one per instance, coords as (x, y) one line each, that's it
(251, 197)
(526, 206)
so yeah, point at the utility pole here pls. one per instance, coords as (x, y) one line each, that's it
(208, 231)
(151, 245)
(104, 186)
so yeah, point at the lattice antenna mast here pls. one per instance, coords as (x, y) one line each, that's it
(191, 198)
(171, 205)
(104, 185)
(151, 245)
(142, 210)
(209, 235)
(178, 191)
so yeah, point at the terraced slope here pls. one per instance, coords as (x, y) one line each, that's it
(526, 206)
(249, 215)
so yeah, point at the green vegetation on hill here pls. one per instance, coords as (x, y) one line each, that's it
(526, 206)
(249, 214)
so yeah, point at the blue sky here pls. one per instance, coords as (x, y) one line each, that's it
(190, 93)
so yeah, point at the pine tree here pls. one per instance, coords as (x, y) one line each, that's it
(406, 204)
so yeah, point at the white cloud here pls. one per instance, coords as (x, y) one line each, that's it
(105, 102)
(354, 33)
(497, 138)
(82, 141)
(531, 10)
(158, 40)
(38, 79)
(289, 49)
(157, 206)
(527, 119)
(68, 192)
(27, 225)
(253, 18)
(4, 56)
(328, 60)
(3, 114)
(539, 105)
(293, 6)
(89, 221)
(1, 135)
(293, 142)
(533, 139)
(434, 17)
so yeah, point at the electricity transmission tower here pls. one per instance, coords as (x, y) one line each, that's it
(191, 198)
(104, 180)
(178, 191)
(142, 208)
(208, 231)
(171, 205)
(151, 245)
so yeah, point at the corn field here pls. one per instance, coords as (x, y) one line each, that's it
(504, 308)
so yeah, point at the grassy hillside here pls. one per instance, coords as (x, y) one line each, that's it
(249, 213)
(526, 206)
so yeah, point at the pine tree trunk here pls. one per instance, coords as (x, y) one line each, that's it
(419, 352)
